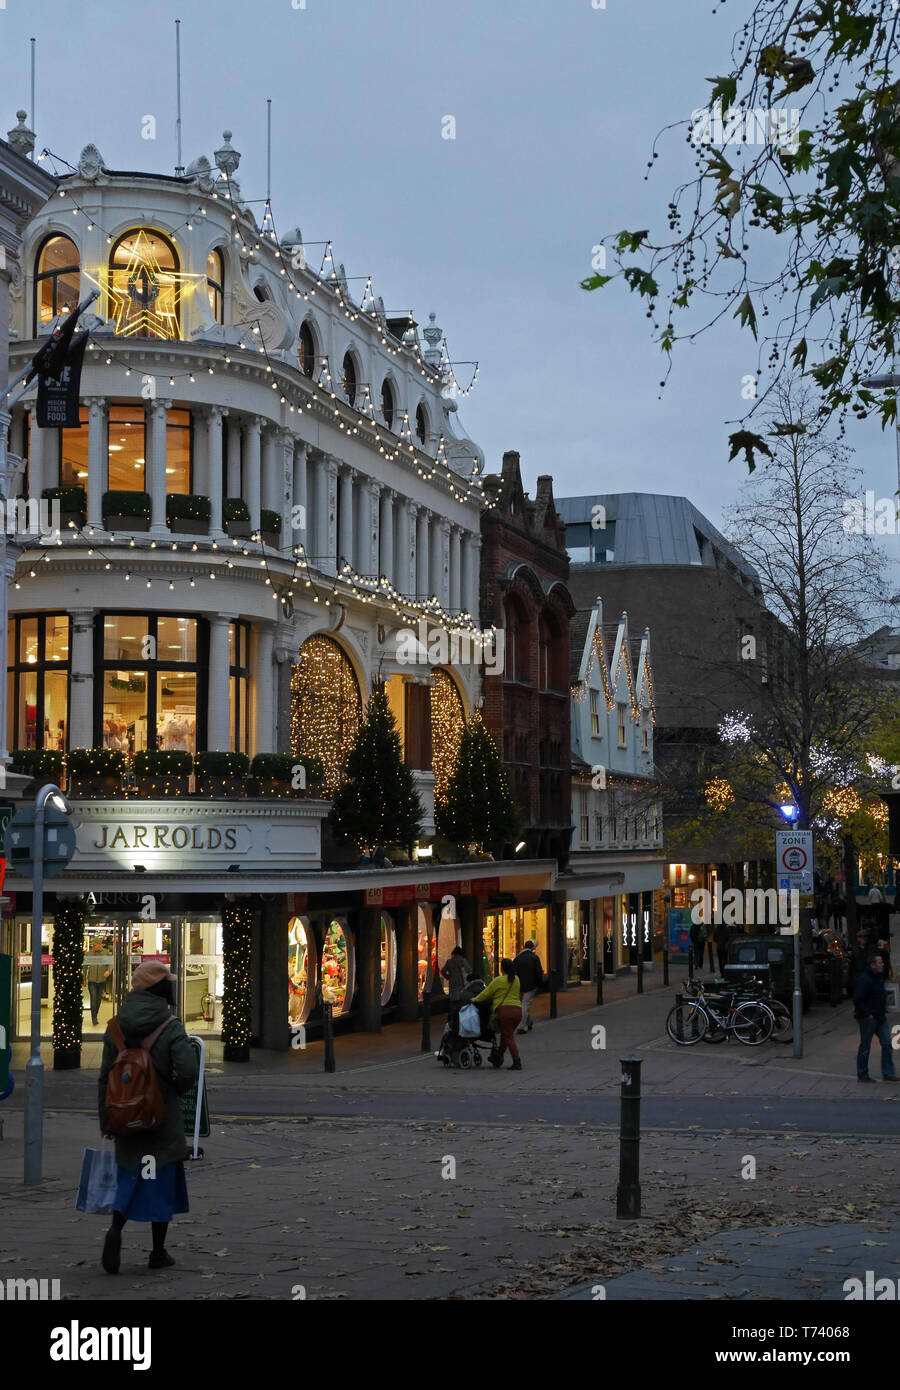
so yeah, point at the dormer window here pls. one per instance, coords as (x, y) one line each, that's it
(144, 286)
(56, 279)
(307, 351)
(387, 404)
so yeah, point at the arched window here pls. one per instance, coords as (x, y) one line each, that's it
(447, 724)
(215, 284)
(421, 426)
(144, 286)
(55, 279)
(387, 404)
(350, 383)
(517, 641)
(326, 707)
(307, 352)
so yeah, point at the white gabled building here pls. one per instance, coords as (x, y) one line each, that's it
(617, 839)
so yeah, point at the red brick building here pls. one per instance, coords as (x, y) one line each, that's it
(524, 575)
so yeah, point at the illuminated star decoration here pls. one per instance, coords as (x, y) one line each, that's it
(144, 297)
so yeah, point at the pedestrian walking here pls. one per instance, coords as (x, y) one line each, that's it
(530, 971)
(96, 974)
(870, 1009)
(698, 942)
(504, 996)
(723, 939)
(859, 956)
(456, 971)
(150, 1161)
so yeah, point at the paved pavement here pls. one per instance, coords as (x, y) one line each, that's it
(397, 1179)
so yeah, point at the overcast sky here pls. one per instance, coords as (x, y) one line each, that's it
(556, 106)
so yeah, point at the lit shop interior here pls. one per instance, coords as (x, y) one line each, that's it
(326, 952)
(505, 933)
(114, 946)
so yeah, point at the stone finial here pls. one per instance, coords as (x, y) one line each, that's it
(90, 162)
(433, 335)
(227, 158)
(20, 137)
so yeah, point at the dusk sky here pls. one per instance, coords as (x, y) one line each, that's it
(556, 108)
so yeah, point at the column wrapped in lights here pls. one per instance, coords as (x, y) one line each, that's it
(237, 922)
(68, 970)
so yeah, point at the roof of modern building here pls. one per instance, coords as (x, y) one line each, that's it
(655, 529)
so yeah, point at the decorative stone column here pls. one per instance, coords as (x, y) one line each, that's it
(159, 411)
(264, 686)
(39, 440)
(252, 428)
(345, 538)
(471, 568)
(423, 553)
(371, 552)
(233, 483)
(201, 452)
(216, 415)
(300, 533)
(455, 588)
(329, 563)
(285, 456)
(434, 567)
(401, 559)
(81, 700)
(363, 539)
(444, 572)
(270, 469)
(386, 535)
(218, 719)
(98, 455)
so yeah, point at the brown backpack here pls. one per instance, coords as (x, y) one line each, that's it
(134, 1098)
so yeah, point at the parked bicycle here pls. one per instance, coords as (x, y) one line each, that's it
(714, 1017)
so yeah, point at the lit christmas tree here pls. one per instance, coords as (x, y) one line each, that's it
(479, 808)
(378, 802)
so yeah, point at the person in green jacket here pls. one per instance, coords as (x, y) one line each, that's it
(506, 1003)
(150, 1191)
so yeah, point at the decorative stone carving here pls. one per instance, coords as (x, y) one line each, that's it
(90, 163)
(20, 137)
(227, 157)
(274, 328)
(201, 170)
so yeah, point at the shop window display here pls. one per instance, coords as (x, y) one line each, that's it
(388, 958)
(37, 681)
(448, 936)
(337, 967)
(301, 970)
(151, 679)
(426, 947)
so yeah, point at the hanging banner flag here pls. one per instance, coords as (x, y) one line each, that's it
(57, 397)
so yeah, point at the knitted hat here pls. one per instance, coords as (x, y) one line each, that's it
(150, 973)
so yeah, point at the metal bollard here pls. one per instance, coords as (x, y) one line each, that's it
(553, 994)
(640, 969)
(679, 1002)
(628, 1192)
(328, 1035)
(426, 1022)
(600, 984)
(665, 965)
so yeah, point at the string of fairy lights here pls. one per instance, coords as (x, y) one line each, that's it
(333, 282)
(597, 658)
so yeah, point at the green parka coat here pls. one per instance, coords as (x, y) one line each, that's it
(175, 1060)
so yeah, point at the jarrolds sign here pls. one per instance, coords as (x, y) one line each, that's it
(194, 836)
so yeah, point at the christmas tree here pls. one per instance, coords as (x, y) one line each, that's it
(479, 808)
(377, 803)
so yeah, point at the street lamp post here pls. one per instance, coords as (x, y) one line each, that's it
(791, 812)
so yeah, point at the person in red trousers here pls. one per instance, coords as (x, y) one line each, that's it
(505, 1000)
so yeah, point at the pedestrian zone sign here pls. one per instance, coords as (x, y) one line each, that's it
(794, 860)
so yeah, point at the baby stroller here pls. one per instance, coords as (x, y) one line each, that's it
(459, 1047)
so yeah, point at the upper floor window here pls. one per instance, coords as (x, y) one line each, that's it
(37, 666)
(387, 404)
(645, 738)
(595, 713)
(421, 426)
(349, 382)
(620, 724)
(144, 286)
(584, 819)
(56, 279)
(215, 284)
(307, 351)
(239, 686)
(153, 682)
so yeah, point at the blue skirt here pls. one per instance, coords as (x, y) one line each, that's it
(152, 1199)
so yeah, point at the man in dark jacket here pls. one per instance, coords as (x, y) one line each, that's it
(527, 965)
(151, 1185)
(722, 937)
(870, 1009)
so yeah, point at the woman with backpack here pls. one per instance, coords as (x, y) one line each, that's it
(148, 1064)
(504, 995)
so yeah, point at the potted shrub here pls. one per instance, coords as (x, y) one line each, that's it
(162, 773)
(95, 771)
(221, 774)
(187, 514)
(126, 511)
(270, 526)
(236, 516)
(38, 762)
(315, 773)
(72, 501)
